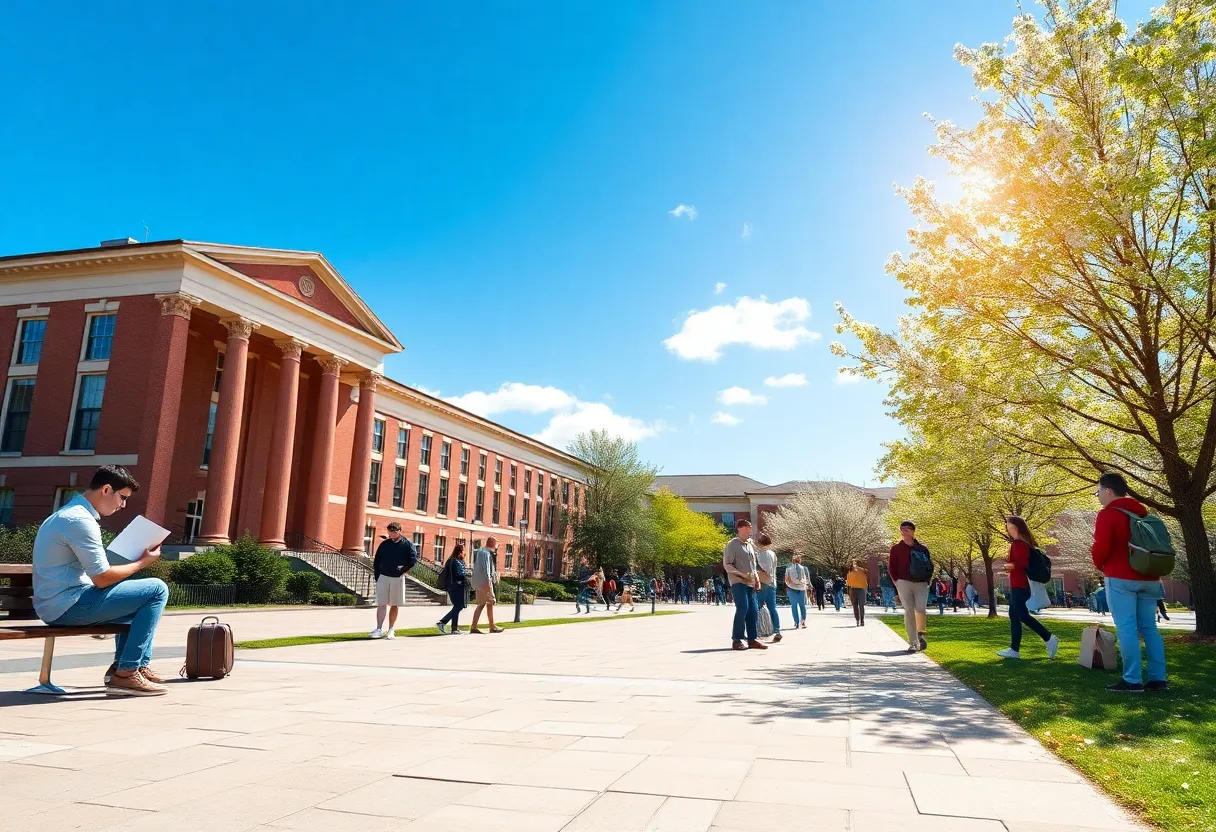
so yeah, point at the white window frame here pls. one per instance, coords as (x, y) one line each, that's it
(95, 312)
(200, 500)
(438, 545)
(399, 471)
(67, 440)
(8, 494)
(61, 498)
(8, 393)
(383, 422)
(27, 369)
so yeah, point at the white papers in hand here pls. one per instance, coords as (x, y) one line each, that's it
(140, 535)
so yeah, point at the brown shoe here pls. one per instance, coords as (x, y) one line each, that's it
(738, 645)
(109, 674)
(135, 685)
(755, 645)
(476, 631)
(497, 630)
(151, 675)
(776, 638)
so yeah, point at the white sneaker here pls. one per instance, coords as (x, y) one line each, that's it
(377, 633)
(390, 633)
(1009, 653)
(1053, 647)
(439, 627)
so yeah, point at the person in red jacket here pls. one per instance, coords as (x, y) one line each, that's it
(1132, 597)
(1021, 539)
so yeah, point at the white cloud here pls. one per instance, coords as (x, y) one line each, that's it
(721, 418)
(564, 427)
(847, 377)
(683, 210)
(719, 288)
(514, 396)
(787, 380)
(754, 323)
(747, 230)
(740, 395)
(426, 390)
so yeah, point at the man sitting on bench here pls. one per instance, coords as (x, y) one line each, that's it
(75, 585)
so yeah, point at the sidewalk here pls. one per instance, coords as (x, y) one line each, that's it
(641, 724)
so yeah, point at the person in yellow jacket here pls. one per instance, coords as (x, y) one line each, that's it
(858, 583)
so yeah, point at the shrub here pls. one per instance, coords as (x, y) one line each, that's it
(260, 571)
(332, 599)
(212, 567)
(536, 588)
(302, 585)
(162, 569)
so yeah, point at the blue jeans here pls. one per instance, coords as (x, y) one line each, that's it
(138, 602)
(460, 599)
(1133, 606)
(767, 597)
(747, 611)
(888, 598)
(838, 599)
(582, 599)
(797, 604)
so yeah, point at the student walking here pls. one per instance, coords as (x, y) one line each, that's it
(739, 561)
(626, 597)
(599, 588)
(960, 589)
(912, 568)
(838, 592)
(859, 583)
(1132, 597)
(610, 592)
(941, 591)
(457, 583)
(973, 597)
(1021, 542)
(394, 557)
(887, 587)
(796, 583)
(484, 578)
(75, 585)
(820, 590)
(766, 568)
(1161, 611)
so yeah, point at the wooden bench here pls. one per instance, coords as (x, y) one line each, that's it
(18, 600)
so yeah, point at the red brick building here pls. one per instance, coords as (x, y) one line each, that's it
(244, 388)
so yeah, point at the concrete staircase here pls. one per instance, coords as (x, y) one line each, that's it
(354, 572)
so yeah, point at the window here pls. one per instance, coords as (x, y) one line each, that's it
(101, 338)
(548, 561)
(30, 348)
(552, 513)
(462, 496)
(212, 409)
(481, 467)
(539, 507)
(398, 487)
(442, 508)
(403, 443)
(419, 542)
(494, 515)
(88, 413)
(194, 519)
(219, 372)
(509, 556)
(445, 456)
(464, 462)
(512, 477)
(511, 510)
(63, 496)
(377, 436)
(497, 472)
(424, 498)
(540, 486)
(6, 506)
(527, 482)
(373, 482)
(424, 455)
(728, 520)
(440, 542)
(20, 398)
(535, 558)
(566, 493)
(527, 509)
(576, 498)
(552, 491)
(480, 504)
(369, 536)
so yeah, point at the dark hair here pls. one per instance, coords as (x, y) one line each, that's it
(764, 540)
(1114, 482)
(909, 524)
(458, 549)
(741, 522)
(1024, 532)
(393, 526)
(114, 476)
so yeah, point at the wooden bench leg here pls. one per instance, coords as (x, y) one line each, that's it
(45, 686)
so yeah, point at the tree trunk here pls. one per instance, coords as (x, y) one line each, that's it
(1199, 561)
(991, 586)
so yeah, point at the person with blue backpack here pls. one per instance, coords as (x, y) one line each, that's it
(1132, 550)
(911, 567)
(1025, 563)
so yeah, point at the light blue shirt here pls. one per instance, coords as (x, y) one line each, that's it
(67, 552)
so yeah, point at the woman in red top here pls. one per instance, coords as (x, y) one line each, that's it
(1020, 542)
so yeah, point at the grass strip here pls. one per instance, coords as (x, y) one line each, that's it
(427, 632)
(1154, 753)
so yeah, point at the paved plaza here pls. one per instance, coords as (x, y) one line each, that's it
(641, 724)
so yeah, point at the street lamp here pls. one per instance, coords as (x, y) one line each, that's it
(519, 566)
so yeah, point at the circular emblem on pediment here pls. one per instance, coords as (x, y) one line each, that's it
(308, 286)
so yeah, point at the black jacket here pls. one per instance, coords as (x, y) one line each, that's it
(394, 557)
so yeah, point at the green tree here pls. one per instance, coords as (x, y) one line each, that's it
(614, 526)
(683, 538)
(1071, 288)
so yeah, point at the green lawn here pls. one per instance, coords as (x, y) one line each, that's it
(1155, 753)
(426, 632)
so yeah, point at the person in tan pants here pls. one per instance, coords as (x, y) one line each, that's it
(913, 588)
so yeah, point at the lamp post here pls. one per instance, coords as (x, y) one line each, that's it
(519, 566)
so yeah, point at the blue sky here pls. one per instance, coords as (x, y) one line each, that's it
(503, 183)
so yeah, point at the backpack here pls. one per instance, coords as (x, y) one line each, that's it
(442, 580)
(920, 566)
(1038, 568)
(1149, 549)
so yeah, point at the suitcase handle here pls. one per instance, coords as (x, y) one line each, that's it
(207, 618)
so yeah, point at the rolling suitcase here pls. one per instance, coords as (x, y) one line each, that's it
(209, 650)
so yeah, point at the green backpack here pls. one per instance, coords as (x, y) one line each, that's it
(1149, 550)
